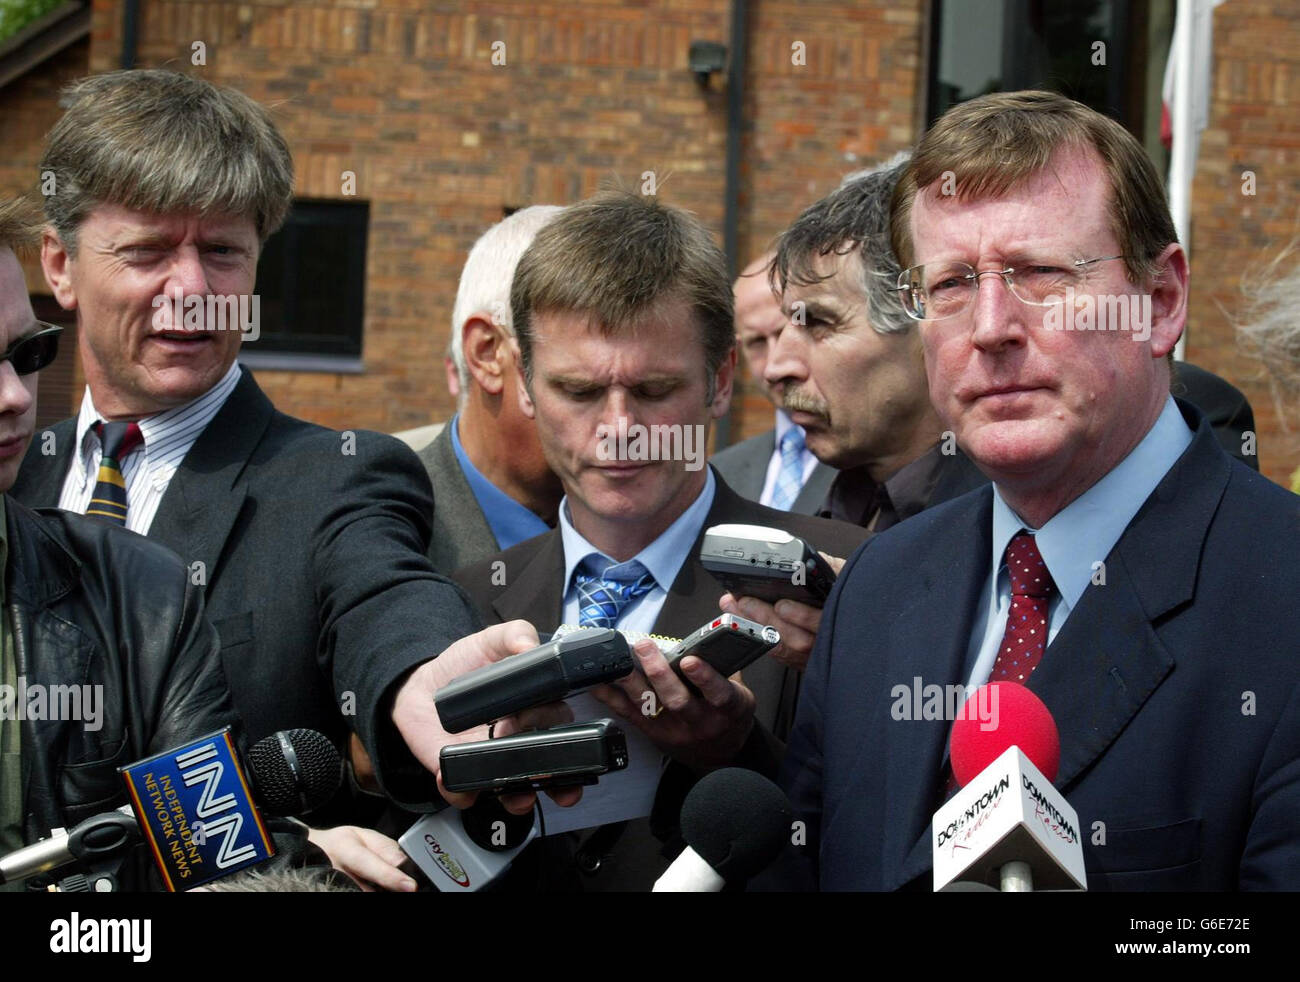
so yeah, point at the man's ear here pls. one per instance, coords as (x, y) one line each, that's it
(55, 264)
(1168, 300)
(487, 353)
(723, 381)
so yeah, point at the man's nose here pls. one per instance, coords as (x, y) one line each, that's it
(187, 274)
(15, 396)
(998, 315)
(786, 357)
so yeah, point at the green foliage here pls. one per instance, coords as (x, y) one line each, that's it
(17, 14)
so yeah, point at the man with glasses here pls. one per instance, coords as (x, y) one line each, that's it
(86, 606)
(1121, 565)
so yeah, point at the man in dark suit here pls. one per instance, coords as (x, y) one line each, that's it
(1120, 565)
(492, 487)
(628, 354)
(775, 468)
(310, 544)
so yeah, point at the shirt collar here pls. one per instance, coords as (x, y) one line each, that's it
(150, 426)
(663, 557)
(1084, 531)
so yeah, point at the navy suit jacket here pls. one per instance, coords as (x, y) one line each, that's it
(1175, 688)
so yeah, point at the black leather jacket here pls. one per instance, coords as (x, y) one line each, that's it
(91, 603)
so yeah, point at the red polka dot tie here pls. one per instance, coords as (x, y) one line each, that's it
(1031, 592)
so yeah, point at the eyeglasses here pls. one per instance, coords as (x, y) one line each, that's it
(934, 291)
(35, 351)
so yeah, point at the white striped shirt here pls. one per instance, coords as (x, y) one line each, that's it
(168, 437)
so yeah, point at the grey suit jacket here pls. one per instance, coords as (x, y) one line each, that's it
(744, 466)
(461, 534)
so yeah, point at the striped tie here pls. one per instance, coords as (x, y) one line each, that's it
(109, 499)
(789, 478)
(602, 598)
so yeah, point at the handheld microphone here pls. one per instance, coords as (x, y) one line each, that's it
(735, 823)
(1007, 822)
(462, 851)
(289, 773)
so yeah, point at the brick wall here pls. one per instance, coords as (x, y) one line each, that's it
(404, 93)
(29, 106)
(1253, 126)
(852, 102)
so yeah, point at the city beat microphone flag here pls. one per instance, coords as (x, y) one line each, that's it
(196, 811)
(1008, 810)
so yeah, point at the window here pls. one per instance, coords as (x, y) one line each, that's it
(1107, 54)
(311, 284)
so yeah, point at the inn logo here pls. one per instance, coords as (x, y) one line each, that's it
(102, 935)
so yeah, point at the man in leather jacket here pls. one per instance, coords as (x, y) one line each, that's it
(88, 606)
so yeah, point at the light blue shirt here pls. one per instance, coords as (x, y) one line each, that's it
(663, 558)
(509, 521)
(806, 459)
(1075, 539)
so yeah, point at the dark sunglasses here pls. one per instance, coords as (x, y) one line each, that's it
(35, 351)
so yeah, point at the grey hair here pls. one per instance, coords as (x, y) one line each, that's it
(852, 218)
(161, 142)
(485, 281)
(1268, 329)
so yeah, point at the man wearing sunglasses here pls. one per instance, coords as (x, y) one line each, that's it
(1121, 565)
(84, 606)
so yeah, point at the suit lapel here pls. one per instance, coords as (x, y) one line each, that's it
(814, 492)
(1108, 659)
(40, 479)
(206, 494)
(693, 597)
(929, 642)
(536, 592)
(462, 530)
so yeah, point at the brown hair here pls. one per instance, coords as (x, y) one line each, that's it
(616, 256)
(161, 142)
(992, 144)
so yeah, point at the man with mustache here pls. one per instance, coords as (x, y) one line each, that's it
(847, 365)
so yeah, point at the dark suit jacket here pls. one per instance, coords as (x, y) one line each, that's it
(461, 534)
(312, 545)
(744, 466)
(1175, 688)
(1223, 405)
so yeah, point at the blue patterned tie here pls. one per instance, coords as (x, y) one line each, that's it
(602, 597)
(789, 479)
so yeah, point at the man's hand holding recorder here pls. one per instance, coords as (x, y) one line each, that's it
(680, 700)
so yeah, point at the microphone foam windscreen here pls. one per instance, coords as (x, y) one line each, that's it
(736, 821)
(1001, 715)
(295, 771)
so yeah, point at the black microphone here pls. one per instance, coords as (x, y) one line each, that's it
(290, 772)
(294, 772)
(735, 823)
